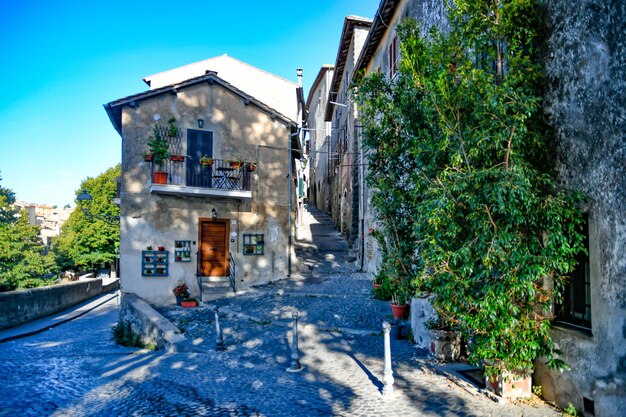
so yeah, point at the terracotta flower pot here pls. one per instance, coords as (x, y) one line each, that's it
(189, 304)
(400, 312)
(159, 178)
(177, 158)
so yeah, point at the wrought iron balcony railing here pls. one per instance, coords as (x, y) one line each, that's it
(213, 174)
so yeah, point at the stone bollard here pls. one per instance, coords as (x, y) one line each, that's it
(219, 341)
(387, 373)
(295, 365)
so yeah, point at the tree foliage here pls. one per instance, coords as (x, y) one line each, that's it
(460, 164)
(88, 241)
(22, 263)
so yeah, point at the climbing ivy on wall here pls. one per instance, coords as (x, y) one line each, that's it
(460, 159)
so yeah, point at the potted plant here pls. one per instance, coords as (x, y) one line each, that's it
(147, 156)
(172, 130)
(399, 306)
(445, 342)
(159, 149)
(206, 162)
(181, 292)
(235, 163)
(177, 158)
(161, 248)
(252, 166)
(506, 383)
(189, 302)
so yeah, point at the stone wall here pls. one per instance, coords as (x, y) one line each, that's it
(19, 307)
(586, 102)
(149, 324)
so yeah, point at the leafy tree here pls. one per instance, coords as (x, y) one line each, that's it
(22, 264)
(460, 165)
(88, 241)
(7, 198)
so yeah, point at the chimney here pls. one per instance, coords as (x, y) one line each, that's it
(299, 72)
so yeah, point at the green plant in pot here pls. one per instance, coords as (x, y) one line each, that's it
(172, 129)
(159, 149)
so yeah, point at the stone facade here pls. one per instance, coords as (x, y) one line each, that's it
(587, 105)
(242, 128)
(344, 180)
(319, 134)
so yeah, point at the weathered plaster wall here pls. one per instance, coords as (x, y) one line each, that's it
(587, 104)
(239, 130)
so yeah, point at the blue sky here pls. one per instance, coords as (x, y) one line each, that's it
(62, 60)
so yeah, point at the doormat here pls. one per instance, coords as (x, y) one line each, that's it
(475, 376)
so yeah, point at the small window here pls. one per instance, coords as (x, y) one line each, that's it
(393, 56)
(576, 307)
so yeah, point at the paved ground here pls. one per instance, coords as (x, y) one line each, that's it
(75, 369)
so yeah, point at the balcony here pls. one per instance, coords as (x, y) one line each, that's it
(188, 177)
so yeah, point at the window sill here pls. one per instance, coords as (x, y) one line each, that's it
(572, 329)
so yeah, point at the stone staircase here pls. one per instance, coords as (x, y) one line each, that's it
(214, 288)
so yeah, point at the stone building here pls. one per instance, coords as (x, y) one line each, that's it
(219, 213)
(381, 52)
(341, 111)
(319, 134)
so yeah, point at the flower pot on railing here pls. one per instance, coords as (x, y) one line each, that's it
(159, 177)
(206, 162)
(177, 158)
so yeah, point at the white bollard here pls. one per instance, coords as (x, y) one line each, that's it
(388, 372)
(295, 365)
(219, 341)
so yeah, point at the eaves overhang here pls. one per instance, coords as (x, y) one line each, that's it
(380, 25)
(349, 24)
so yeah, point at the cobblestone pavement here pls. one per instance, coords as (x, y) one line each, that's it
(77, 370)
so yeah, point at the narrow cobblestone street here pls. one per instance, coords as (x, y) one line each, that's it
(77, 370)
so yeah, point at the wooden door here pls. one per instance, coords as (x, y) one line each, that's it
(213, 247)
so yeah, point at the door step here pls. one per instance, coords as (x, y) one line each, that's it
(214, 288)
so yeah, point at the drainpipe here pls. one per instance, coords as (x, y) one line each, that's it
(361, 196)
(290, 191)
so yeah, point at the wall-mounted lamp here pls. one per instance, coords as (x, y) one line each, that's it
(84, 202)
(200, 123)
(214, 214)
